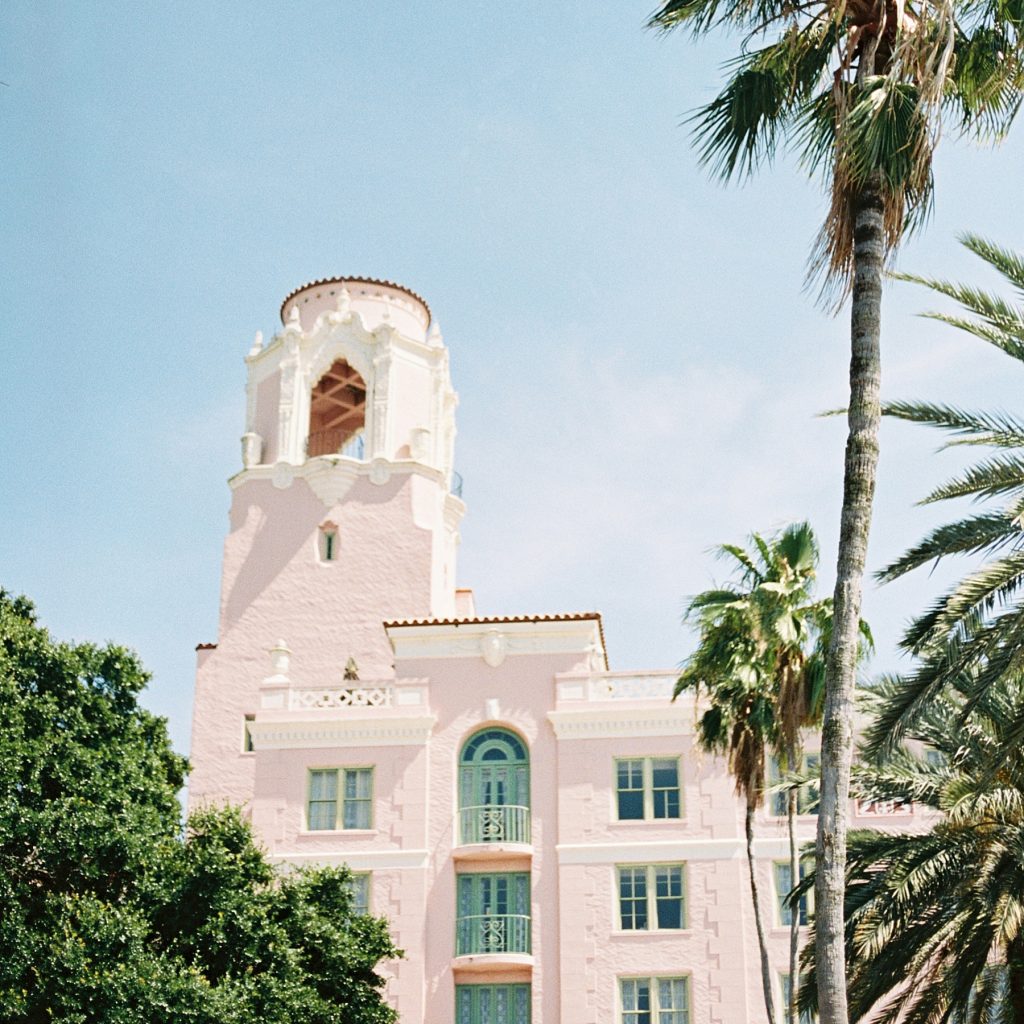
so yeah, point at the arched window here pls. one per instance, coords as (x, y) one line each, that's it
(337, 411)
(494, 788)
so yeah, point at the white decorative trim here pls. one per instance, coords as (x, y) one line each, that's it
(465, 639)
(663, 720)
(672, 849)
(281, 475)
(362, 860)
(331, 479)
(364, 732)
(493, 648)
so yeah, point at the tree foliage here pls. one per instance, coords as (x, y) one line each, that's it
(107, 913)
(935, 920)
(972, 635)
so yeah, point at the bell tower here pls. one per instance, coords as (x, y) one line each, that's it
(345, 512)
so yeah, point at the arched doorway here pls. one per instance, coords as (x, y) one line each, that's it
(494, 788)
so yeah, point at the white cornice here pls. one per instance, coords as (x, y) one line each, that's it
(365, 732)
(610, 721)
(682, 849)
(494, 641)
(358, 860)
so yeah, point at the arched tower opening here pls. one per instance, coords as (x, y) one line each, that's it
(337, 411)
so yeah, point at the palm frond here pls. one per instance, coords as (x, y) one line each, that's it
(999, 429)
(1001, 474)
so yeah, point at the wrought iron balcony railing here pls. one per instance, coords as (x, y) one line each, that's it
(492, 933)
(329, 442)
(494, 823)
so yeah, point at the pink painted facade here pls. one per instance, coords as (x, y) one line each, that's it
(350, 679)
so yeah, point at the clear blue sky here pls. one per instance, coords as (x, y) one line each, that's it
(639, 368)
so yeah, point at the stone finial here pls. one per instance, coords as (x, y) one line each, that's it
(257, 344)
(344, 303)
(434, 339)
(294, 323)
(280, 658)
(351, 669)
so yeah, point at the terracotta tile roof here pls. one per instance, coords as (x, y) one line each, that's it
(354, 280)
(206, 647)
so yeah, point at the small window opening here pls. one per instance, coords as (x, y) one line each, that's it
(328, 543)
(337, 412)
(247, 744)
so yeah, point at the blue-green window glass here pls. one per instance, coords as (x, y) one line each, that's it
(647, 787)
(633, 898)
(652, 896)
(654, 1001)
(783, 886)
(494, 788)
(787, 994)
(359, 886)
(629, 780)
(665, 787)
(323, 799)
(492, 1004)
(493, 913)
(340, 798)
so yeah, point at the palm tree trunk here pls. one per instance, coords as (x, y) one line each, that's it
(858, 494)
(766, 974)
(794, 877)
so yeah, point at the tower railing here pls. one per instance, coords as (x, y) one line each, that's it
(492, 933)
(494, 823)
(329, 442)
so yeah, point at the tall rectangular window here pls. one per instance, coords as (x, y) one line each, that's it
(647, 788)
(787, 994)
(340, 798)
(783, 885)
(493, 913)
(654, 1000)
(359, 886)
(651, 896)
(492, 1004)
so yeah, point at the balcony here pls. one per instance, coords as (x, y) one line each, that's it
(493, 831)
(333, 442)
(492, 933)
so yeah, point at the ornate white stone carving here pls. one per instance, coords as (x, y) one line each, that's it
(380, 471)
(491, 708)
(257, 345)
(342, 697)
(282, 476)
(330, 479)
(419, 444)
(252, 450)
(493, 647)
(280, 658)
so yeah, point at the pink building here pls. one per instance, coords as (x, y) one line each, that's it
(542, 833)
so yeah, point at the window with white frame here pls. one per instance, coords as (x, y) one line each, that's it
(340, 798)
(787, 994)
(654, 1000)
(359, 886)
(652, 897)
(806, 795)
(647, 788)
(784, 885)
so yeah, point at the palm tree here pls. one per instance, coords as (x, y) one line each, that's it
(978, 625)
(934, 921)
(860, 88)
(761, 663)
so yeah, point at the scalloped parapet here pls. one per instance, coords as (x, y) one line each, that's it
(376, 302)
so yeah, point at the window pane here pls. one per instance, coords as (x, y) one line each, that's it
(322, 812)
(665, 780)
(807, 796)
(323, 785)
(668, 889)
(630, 785)
(673, 1005)
(360, 888)
(633, 898)
(636, 1000)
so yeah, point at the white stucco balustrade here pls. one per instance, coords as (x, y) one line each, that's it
(358, 697)
(601, 687)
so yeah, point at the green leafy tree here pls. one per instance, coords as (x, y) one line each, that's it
(977, 626)
(860, 89)
(934, 921)
(760, 663)
(108, 915)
